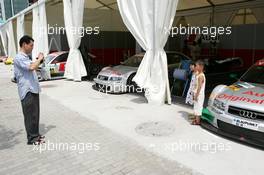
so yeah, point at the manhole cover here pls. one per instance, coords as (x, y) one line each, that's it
(155, 129)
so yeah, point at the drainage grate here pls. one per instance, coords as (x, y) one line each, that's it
(155, 129)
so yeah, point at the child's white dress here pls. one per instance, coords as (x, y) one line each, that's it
(198, 105)
(190, 95)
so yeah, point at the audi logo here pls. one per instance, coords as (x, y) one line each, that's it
(247, 114)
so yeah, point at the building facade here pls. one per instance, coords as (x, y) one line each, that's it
(10, 8)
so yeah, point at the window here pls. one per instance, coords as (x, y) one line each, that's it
(175, 58)
(61, 58)
(254, 75)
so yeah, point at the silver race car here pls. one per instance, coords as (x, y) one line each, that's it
(118, 79)
(237, 111)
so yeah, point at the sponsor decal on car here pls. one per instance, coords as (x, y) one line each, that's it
(52, 71)
(114, 72)
(237, 98)
(245, 124)
(233, 88)
(254, 94)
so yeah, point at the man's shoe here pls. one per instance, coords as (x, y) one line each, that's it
(41, 137)
(38, 142)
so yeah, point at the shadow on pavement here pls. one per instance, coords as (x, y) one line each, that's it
(8, 138)
(43, 129)
(186, 116)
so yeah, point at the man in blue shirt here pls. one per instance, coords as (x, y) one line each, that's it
(28, 88)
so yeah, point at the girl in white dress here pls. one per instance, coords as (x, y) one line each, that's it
(199, 92)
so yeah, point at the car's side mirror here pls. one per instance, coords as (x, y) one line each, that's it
(233, 76)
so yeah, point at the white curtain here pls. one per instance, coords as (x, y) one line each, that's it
(39, 30)
(73, 19)
(11, 51)
(149, 21)
(4, 38)
(20, 28)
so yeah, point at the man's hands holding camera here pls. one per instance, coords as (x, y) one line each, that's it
(39, 60)
(40, 57)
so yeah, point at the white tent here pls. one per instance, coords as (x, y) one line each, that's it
(39, 30)
(194, 12)
(183, 4)
(8, 40)
(204, 12)
(20, 28)
(105, 13)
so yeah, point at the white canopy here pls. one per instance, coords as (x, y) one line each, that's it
(193, 10)
(183, 4)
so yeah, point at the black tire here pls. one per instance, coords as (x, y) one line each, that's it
(95, 69)
(131, 85)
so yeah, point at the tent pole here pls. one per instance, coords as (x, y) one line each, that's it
(213, 12)
(153, 34)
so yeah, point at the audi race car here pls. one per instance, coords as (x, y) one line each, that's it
(119, 79)
(237, 111)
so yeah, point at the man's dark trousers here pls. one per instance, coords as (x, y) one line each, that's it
(30, 107)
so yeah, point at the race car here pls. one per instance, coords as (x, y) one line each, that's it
(119, 79)
(3, 58)
(9, 61)
(237, 111)
(53, 66)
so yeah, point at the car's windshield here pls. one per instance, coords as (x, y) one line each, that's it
(133, 61)
(254, 75)
(175, 58)
(48, 58)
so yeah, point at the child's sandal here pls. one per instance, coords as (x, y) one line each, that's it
(194, 122)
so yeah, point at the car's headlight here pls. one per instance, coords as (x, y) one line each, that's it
(115, 79)
(219, 104)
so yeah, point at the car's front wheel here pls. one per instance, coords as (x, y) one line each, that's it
(132, 86)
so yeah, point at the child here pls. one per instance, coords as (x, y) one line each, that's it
(199, 92)
(190, 95)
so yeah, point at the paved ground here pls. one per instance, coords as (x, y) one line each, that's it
(72, 112)
(189, 145)
(75, 144)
